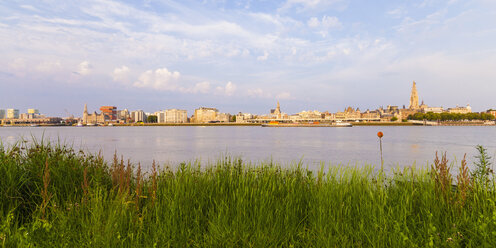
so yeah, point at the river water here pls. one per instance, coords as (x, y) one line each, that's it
(359, 145)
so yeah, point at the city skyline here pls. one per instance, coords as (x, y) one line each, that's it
(245, 55)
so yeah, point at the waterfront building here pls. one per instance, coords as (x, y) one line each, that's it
(414, 99)
(2, 113)
(370, 115)
(12, 114)
(138, 116)
(460, 110)
(223, 117)
(110, 112)
(310, 115)
(205, 115)
(491, 112)
(348, 114)
(33, 111)
(243, 117)
(123, 116)
(436, 110)
(94, 118)
(172, 116)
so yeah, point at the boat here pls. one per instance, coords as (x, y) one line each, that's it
(80, 124)
(110, 125)
(34, 125)
(342, 124)
(90, 124)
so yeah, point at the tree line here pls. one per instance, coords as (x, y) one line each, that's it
(430, 116)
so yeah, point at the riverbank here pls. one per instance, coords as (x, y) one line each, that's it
(53, 196)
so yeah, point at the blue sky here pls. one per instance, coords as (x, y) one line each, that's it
(245, 55)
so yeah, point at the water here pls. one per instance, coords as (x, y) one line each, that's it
(402, 146)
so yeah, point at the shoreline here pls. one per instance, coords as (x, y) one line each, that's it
(258, 124)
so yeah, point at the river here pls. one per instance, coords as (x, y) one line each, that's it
(402, 145)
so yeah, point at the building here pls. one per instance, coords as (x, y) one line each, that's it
(92, 119)
(370, 115)
(138, 116)
(460, 110)
(172, 116)
(243, 117)
(348, 114)
(436, 110)
(33, 111)
(2, 113)
(205, 115)
(123, 116)
(12, 114)
(310, 115)
(414, 99)
(223, 117)
(490, 111)
(110, 112)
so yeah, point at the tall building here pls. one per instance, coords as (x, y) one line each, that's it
(12, 114)
(2, 113)
(205, 115)
(172, 116)
(138, 116)
(414, 99)
(110, 112)
(33, 111)
(123, 115)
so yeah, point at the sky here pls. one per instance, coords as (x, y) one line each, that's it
(244, 56)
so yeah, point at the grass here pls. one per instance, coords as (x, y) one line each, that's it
(53, 196)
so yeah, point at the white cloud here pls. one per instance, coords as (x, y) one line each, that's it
(203, 87)
(313, 22)
(160, 79)
(84, 68)
(258, 92)
(263, 57)
(228, 90)
(283, 95)
(48, 66)
(120, 74)
(327, 22)
(303, 5)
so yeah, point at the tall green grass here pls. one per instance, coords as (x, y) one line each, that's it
(53, 196)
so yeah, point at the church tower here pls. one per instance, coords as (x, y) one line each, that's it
(278, 110)
(414, 99)
(85, 114)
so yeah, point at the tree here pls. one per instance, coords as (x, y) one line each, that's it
(151, 119)
(394, 118)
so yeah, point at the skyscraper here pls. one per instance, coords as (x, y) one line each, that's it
(414, 99)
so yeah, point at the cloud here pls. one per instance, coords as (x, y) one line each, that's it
(84, 68)
(284, 96)
(263, 57)
(120, 74)
(48, 66)
(304, 5)
(203, 87)
(258, 92)
(228, 90)
(325, 24)
(160, 79)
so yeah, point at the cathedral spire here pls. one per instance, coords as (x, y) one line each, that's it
(414, 99)
(85, 109)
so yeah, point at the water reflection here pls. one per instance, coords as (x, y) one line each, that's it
(358, 145)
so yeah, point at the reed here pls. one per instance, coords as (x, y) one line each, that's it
(53, 196)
